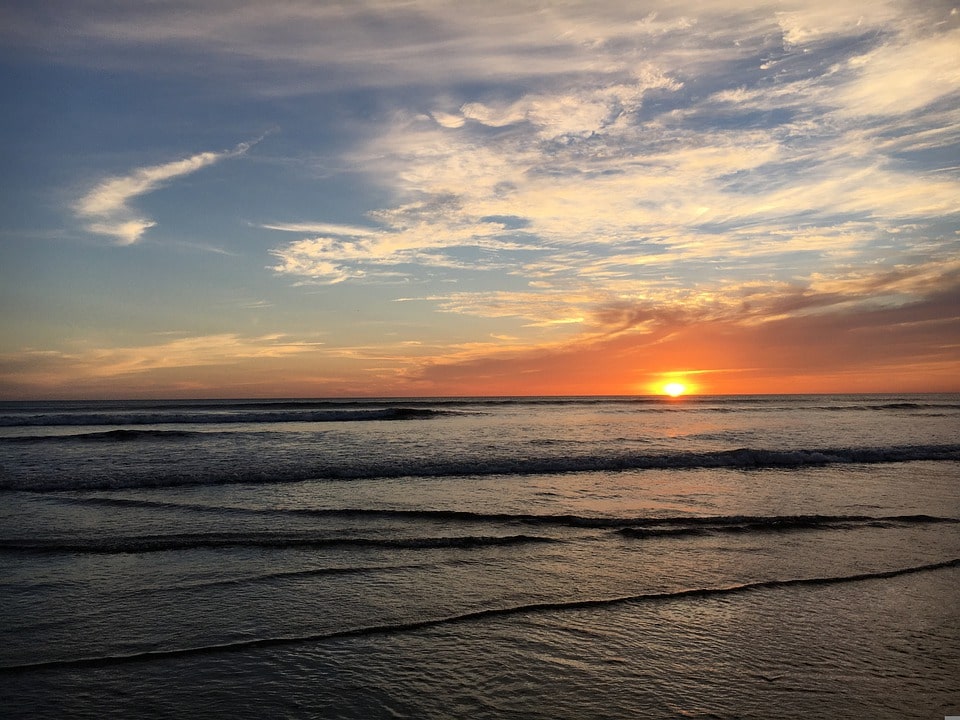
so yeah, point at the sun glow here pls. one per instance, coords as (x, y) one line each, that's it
(674, 389)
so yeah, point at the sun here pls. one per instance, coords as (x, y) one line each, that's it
(674, 389)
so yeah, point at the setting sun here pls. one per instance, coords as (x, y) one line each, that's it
(674, 389)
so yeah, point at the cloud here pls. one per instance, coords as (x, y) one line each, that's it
(29, 371)
(581, 113)
(901, 78)
(224, 348)
(611, 308)
(872, 348)
(606, 193)
(363, 43)
(819, 21)
(840, 332)
(697, 161)
(323, 228)
(587, 173)
(424, 233)
(106, 209)
(384, 44)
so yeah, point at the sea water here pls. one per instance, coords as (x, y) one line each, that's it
(721, 557)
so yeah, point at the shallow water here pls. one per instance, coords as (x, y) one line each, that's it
(716, 557)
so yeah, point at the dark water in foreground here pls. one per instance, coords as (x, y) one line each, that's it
(542, 558)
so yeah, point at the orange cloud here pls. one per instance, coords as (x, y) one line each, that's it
(915, 347)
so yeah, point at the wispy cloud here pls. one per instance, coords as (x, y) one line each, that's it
(422, 234)
(97, 368)
(322, 228)
(363, 43)
(107, 208)
(744, 132)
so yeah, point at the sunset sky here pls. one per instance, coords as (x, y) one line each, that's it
(250, 199)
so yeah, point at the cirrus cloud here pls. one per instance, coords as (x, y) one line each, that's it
(106, 209)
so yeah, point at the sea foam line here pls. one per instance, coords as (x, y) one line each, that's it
(199, 541)
(396, 628)
(736, 523)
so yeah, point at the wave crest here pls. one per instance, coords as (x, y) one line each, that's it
(388, 468)
(208, 541)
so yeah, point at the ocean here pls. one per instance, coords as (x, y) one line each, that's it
(620, 557)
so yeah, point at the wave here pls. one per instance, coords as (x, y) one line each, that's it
(630, 526)
(288, 575)
(95, 413)
(475, 616)
(48, 414)
(206, 541)
(390, 468)
(677, 527)
(105, 436)
(891, 406)
(220, 417)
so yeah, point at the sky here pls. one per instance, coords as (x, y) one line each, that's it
(212, 198)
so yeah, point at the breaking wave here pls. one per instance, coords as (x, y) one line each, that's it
(373, 468)
(206, 541)
(255, 415)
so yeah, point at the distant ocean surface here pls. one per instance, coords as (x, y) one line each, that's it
(704, 557)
